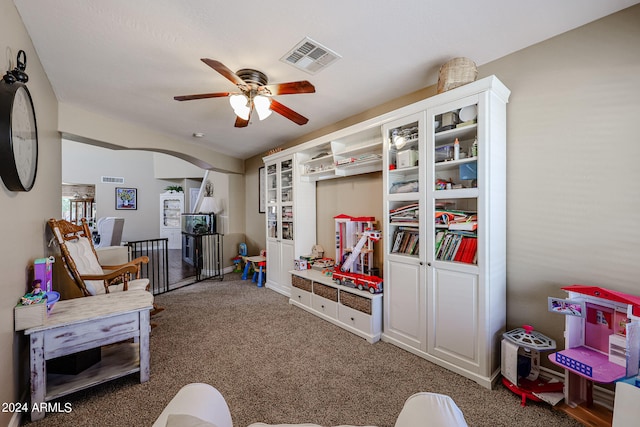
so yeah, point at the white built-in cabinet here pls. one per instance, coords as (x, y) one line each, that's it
(171, 209)
(445, 296)
(359, 312)
(290, 219)
(447, 306)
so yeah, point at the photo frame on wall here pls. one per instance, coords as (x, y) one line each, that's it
(261, 195)
(126, 198)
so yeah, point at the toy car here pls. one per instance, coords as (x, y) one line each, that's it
(355, 280)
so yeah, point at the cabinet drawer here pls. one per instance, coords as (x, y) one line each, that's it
(325, 306)
(300, 296)
(90, 334)
(356, 319)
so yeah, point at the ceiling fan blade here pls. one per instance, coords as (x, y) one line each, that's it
(290, 88)
(288, 113)
(242, 123)
(201, 96)
(226, 72)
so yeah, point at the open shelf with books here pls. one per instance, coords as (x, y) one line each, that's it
(456, 231)
(404, 228)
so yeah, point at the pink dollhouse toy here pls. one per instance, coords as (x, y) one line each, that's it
(602, 339)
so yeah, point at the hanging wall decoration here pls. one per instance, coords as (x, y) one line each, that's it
(126, 198)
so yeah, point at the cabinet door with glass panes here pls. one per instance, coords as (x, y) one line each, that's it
(291, 218)
(286, 199)
(466, 245)
(279, 199)
(404, 273)
(271, 188)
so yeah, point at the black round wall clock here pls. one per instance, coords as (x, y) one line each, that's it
(18, 137)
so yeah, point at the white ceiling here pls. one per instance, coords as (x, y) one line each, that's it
(128, 58)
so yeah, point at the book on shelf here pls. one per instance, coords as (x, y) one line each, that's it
(457, 246)
(456, 220)
(402, 214)
(405, 241)
(464, 225)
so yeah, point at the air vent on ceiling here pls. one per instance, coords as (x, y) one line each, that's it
(310, 56)
(112, 180)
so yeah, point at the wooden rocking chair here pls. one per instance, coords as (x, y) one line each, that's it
(81, 261)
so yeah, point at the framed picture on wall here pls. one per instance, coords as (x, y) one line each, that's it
(126, 198)
(261, 201)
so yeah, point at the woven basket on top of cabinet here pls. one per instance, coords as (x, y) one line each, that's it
(456, 72)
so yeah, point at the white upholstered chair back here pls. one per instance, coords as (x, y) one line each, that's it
(86, 263)
(432, 409)
(110, 231)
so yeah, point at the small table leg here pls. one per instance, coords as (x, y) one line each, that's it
(38, 375)
(144, 346)
(246, 270)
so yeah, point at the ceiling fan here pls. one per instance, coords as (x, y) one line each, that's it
(254, 93)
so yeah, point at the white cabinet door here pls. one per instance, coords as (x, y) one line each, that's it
(454, 318)
(404, 300)
(273, 261)
(286, 265)
(280, 258)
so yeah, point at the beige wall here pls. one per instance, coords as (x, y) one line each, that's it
(135, 166)
(360, 195)
(573, 181)
(255, 224)
(23, 215)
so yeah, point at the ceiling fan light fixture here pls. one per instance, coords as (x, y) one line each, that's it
(239, 105)
(238, 101)
(263, 106)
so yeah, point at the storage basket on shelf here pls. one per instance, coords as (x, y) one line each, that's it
(456, 72)
(325, 291)
(301, 283)
(356, 302)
